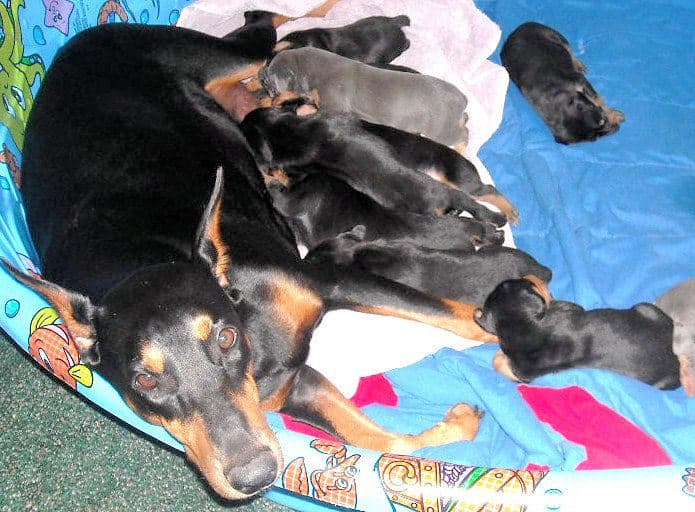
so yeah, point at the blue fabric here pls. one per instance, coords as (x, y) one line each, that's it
(614, 219)
(510, 434)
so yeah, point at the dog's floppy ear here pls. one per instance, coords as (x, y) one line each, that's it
(76, 310)
(209, 246)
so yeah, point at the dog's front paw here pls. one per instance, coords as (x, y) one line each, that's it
(461, 423)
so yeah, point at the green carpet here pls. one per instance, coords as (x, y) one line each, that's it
(59, 453)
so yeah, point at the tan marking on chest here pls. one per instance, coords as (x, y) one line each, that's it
(297, 308)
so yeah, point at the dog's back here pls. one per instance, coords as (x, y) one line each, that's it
(97, 212)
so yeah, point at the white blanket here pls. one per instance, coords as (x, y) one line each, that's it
(449, 39)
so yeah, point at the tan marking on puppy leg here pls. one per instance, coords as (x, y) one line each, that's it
(460, 321)
(502, 365)
(322, 9)
(541, 287)
(503, 204)
(438, 175)
(152, 358)
(202, 327)
(282, 45)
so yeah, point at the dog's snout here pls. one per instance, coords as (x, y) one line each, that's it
(255, 475)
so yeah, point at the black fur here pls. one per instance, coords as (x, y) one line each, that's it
(540, 62)
(538, 338)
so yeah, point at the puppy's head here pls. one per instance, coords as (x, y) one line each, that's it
(170, 340)
(512, 304)
(575, 117)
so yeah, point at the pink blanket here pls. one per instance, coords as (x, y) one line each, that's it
(450, 39)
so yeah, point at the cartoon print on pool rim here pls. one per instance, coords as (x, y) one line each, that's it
(334, 484)
(407, 481)
(58, 14)
(18, 73)
(689, 479)
(8, 158)
(111, 8)
(51, 345)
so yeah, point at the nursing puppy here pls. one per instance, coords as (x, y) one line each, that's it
(461, 274)
(539, 335)
(411, 102)
(341, 145)
(318, 207)
(373, 40)
(541, 63)
(679, 304)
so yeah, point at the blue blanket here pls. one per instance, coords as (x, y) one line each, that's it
(614, 219)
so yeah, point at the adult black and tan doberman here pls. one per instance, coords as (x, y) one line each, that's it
(178, 281)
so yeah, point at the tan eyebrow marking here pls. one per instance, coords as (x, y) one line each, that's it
(202, 327)
(152, 358)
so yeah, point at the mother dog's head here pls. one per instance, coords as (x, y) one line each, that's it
(171, 342)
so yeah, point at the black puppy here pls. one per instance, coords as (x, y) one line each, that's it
(343, 145)
(541, 63)
(374, 40)
(540, 336)
(460, 274)
(318, 206)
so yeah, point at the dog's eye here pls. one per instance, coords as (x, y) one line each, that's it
(227, 337)
(146, 381)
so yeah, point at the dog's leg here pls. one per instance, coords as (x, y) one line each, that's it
(502, 203)
(347, 288)
(315, 400)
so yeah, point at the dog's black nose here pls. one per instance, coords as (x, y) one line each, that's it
(255, 475)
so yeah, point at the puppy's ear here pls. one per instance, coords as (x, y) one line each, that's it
(209, 247)
(532, 301)
(76, 310)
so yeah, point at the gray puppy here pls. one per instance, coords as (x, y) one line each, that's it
(412, 102)
(679, 304)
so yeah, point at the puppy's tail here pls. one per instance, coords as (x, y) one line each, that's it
(401, 21)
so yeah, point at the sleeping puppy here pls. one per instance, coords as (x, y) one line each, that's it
(541, 63)
(412, 102)
(340, 145)
(373, 40)
(465, 275)
(318, 207)
(679, 304)
(539, 335)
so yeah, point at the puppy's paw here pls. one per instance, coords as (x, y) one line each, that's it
(461, 423)
(615, 116)
(489, 235)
